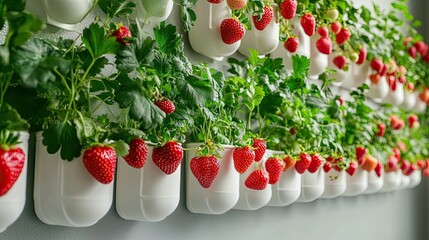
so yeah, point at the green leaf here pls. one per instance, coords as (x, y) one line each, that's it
(15, 5)
(85, 129)
(22, 26)
(169, 41)
(188, 16)
(137, 54)
(11, 120)
(95, 39)
(301, 65)
(121, 148)
(195, 90)
(62, 136)
(117, 8)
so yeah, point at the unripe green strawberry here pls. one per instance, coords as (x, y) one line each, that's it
(332, 14)
(236, 4)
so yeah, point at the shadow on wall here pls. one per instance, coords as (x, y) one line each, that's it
(419, 9)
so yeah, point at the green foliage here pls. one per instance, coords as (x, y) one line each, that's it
(117, 8)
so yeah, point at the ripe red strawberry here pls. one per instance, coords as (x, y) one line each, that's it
(100, 161)
(375, 78)
(412, 51)
(303, 163)
(11, 165)
(384, 70)
(410, 170)
(397, 153)
(381, 129)
(231, 31)
(335, 27)
(327, 167)
(422, 164)
(215, 1)
(137, 154)
(421, 47)
(289, 162)
(413, 120)
(324, 45)
(257, 180)
(343, 36)
(352, 168)
(362, 55)
(323, 31)
(236, 4)
(288, 8)
(316, 162)
(122, 35)
(266, 19)
(379, 169)
(360, 154)
(308, 23)
(291, 44)
(405, 165)
(205, 169)
(166, 105)
(410, 86)
(332, 14)
(168, 157)
(377, 65)
(274, 167)
(392, 164)
(341, 101)
(402, 79)
(340, 61)
(260, 146)
(426, 172)
(243, 157)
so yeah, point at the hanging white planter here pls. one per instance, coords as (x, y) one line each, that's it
(250, 199)
(375, 183)
(303, 48)
(395, 97)
(312, 185)
(287, 190)
(391, 181)
(335, 184)
(359, 75)
(356, 184)
(153, 11)
(415, 179)
(420, 106)
(205, 37)
(265, 41)
(66, 14)
(65, 193)
(339, 75)
(379, 90)
(318, 60)
(405, 181)
(146, 194)
(409, 100)
(222, 195)
(13, 202)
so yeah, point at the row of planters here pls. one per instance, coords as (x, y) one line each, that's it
(90, 125)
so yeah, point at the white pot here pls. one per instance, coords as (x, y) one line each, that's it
(146, 194)
(420, 106)
(379, 90)
(223, 193)
(148, 10)
(356, 184)
(205, 37)
(396, 98)
(335, 184)
(65, 193)
(312, 185)
(375, 183)
(409, 100)
(66, 13)
(250, 199)
(358, 76)
(287, 190)
(13, 202)
(265, 41)
(303, 48)
(415, 179)
(405, 181)
(318, 60)
(391, 181)
(340, 76)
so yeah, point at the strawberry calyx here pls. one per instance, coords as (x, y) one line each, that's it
(8, 140)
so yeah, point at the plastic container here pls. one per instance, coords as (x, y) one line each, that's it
(265, 41)
(379, 90)
(65, 193)
(356, 184)
(405, 181)
(375, 183)
(205, 37)
(395, 97)
(318, 60)
(13, 202)
(339, 75)
(420, 106)
(153, 11)
(391, 181)
(250, 199)
(415, 179)
(66, 14)
(223, 193)
(409, 100)
(335, 184)
(312, 185)
(303, 48)
(287, 190)
(359, 75)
